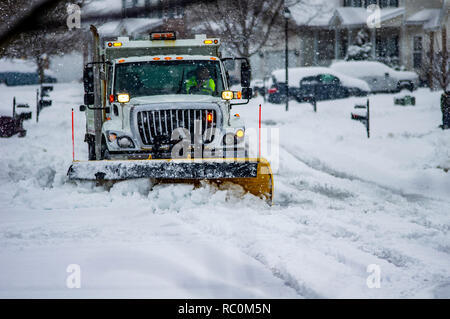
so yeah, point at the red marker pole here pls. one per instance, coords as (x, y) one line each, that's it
(259, 144)
(73, 141)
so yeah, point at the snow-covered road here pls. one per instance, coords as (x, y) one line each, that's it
(342, 202)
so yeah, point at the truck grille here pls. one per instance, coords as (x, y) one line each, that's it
(156, 126)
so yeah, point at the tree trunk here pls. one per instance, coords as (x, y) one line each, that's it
(98, 113)
(40, 69)
(444, 75)
(430, 70)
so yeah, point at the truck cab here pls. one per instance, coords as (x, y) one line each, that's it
(164, 98)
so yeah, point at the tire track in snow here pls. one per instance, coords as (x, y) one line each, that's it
(318, 165)
(368, 244)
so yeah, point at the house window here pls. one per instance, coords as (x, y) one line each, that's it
(387, 46)
(393, 3)
(353, 3)
(417, 52)
(388, 3)
(382, 3)
(369, 2)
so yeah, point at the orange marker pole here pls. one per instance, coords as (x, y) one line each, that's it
(73, 140)
(259, 144)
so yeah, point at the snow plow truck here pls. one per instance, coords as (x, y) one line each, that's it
(160, 108)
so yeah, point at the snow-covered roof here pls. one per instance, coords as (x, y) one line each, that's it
(429, 18)
(130, 26)
(296, 74)
(17, 65)
(349, 16)
(103, 6)
(20, 66)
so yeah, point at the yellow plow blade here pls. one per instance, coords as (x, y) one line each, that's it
(261, 185)
(254, 175)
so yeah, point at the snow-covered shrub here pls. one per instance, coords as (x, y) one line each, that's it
(361, 48)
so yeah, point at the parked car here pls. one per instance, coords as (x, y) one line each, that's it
(277, 93)
(379, 76)
(258, 87)
(320, 82)
(20, 78)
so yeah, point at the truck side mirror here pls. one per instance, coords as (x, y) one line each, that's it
(246, 74)
(82, 108)
(89, 98)
(247, 93)
(88, 79)
(88, 82)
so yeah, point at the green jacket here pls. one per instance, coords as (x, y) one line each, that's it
(208, 86)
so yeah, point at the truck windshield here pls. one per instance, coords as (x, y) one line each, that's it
(169, 77)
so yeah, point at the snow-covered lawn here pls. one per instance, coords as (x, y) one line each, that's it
(342, 202)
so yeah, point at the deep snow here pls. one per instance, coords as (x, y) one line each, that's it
(342, 202)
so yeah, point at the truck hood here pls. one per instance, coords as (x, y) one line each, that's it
(174, 98)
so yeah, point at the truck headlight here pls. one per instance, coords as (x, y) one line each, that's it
(125, 142)
(123, 97)
(240, 133)
(227, 95)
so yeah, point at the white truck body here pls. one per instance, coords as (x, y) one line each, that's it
(146, 118)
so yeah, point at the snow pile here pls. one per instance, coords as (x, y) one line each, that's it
(342, 202)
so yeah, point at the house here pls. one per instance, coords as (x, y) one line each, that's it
(141, 25)
(131, 25)
(402, 36)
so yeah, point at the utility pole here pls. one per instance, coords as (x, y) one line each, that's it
(430, 70)
(287, 15)
(98, 113)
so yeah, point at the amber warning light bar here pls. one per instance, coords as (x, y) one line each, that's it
(163, 36)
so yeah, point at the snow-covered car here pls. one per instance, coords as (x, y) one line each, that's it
(321, 82)
(21, 72)
(379, 76)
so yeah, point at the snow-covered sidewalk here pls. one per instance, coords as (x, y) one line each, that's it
(342, 202)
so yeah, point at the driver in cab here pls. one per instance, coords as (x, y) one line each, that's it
(202, 83)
